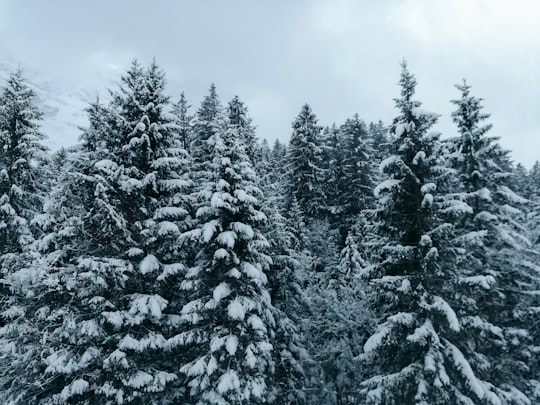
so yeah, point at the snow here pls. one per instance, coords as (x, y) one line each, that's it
(463, 365)
(77, 387)
(246, 231)
(481, 281)
(168, 228)
(231, 345)
(399, 129)
(170, 212)
(439, 305)
(142, 304)
(377, 339)
(236, 310)
(128, 343)
(485, 216)
(228, 381)
(427, 201)
(221, 254)
(227, 239)
(256, 323)
(511, 196)
(389, 161)
(133, 252)
(139, 380)
(419, 157)
(221, 291)
(106, 165)
(149, 264)
(428, 188)
(484, 194)
(208, 230)
(386, 185)
(244, 197)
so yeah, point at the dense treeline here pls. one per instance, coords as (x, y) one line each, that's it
(173, 258)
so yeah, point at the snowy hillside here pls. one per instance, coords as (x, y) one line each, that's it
(63, 108)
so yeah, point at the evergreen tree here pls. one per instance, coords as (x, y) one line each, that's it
(241, 122)
(496, 241)
(358, 176)
(229, 317)
(209, 121)
(338, 327)
(305, 165)
(183, 121)
(421, 351)
(22, 157)
(97, 292)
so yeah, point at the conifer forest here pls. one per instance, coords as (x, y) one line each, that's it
(173, 256)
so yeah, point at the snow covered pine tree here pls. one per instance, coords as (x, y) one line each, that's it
(421, 352)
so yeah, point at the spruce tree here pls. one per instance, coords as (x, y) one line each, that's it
(495, 238)
(229, 317)
(305, 164)
(22, 157)
(241, 122)
(358, 176)
(98, 290)
(422, 351)
(184, 121)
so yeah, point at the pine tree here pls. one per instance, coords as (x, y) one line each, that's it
(183, 121)
(337, 328)
(421, 351)
(358, 176)
(23, 175)
(209, 120)
(229, 317)
(304, 163)
(21, 157)
(109, 254)
(496, 242)
(241, 122)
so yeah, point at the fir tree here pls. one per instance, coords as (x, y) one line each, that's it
(496, 241)
(420, 352)
(229, 317)
(305, 165)
(22, 157)
(241, 122)
(184, 121)
(97, 290)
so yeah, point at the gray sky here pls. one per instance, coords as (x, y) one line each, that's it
(341, 57)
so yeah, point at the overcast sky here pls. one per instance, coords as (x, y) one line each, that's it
(342, 57)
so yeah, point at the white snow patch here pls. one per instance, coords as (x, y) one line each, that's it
(227, 238)
(168, 228)
(481, 281)
(386, 185)
(149, 264)
(236, 310)
(387, 162)
(228, 381)
(221, 291)
(419, 157)
(231, 345)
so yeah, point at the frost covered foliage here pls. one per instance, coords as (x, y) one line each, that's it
(337, 329)
(417, 353)
(229, 318)
(146, 266)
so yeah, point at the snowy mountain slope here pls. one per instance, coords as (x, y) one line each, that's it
(62, 107)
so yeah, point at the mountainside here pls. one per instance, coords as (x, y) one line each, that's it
(63, 108)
